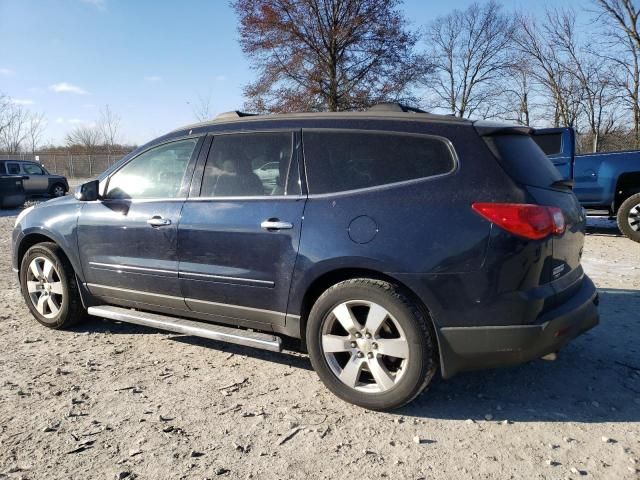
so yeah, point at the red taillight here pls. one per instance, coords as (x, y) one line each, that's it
(528, 221)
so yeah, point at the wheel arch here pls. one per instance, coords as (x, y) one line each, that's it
(628, 184)
(329, 278)
(34, 238)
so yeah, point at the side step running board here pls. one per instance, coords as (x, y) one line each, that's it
(190, 327)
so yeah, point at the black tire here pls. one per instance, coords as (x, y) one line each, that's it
(57, 190)
(70, 310)
(420, 365)
(628, 213)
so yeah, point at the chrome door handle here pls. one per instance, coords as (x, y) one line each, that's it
(158, 221)
(275, 224)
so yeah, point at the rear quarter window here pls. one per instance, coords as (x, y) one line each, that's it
(338, 161)
(523, 160)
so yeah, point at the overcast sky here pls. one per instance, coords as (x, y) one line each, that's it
(147, 59)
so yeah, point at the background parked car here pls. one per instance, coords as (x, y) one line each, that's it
(37, 180)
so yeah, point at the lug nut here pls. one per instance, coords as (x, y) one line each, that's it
(353, 344)
(369, 355)
(367, 335)
(360, 354)
(374, 346)
(358, 335)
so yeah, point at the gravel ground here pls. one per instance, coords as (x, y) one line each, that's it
(110, 400)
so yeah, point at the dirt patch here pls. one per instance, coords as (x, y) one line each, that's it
(110, 400)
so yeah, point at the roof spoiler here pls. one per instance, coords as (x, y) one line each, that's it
(488, 129)
(234, 114)
(394, 107)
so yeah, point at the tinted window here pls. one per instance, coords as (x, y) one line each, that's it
(247, 165)
(13, 168)
(523, 160)
(32, 169)
(550, 143)
(339, 161)
(157, 173)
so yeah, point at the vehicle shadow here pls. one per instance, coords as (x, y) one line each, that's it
(9, 212)
(290, 356)
(596, 378)
(602, 226)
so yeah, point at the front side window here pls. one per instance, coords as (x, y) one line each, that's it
(248, 165)
(157, 173)
(13, 168)
(31, 169)
(341, 161)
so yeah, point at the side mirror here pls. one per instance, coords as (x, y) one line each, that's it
(87, 192)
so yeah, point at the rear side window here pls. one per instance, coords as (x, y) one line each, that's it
(13, 168)
(340, 161)
(248, 165)
(550, 143)
(523, 160)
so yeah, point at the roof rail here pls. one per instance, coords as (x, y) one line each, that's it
(394, 107)
(233, 114)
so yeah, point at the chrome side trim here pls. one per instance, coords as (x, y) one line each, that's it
(121, 268)
(133, 269)
(226, 278)
(190, 327)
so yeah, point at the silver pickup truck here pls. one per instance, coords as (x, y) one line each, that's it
(37, 180)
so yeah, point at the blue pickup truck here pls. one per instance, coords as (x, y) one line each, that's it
(606, 182)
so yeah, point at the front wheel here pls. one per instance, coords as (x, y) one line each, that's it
(370, 344)
(49, 287)
(629, 217)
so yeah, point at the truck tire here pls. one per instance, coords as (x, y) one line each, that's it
(370, 344)
(629, 217)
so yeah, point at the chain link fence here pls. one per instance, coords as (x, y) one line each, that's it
(70, 165)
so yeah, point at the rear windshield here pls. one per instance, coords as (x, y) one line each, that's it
(523, 160)
(550, 143)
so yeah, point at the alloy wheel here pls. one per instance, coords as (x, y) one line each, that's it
(365, 346)
(45, 287)
(58, 191)
(634, 218)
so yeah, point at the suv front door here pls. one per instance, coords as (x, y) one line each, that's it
(35, 178)
(239, 233)
(128, 239)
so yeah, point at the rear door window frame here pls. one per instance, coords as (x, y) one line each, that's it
(294, 161)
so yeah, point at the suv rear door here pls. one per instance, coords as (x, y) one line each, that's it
(239, 232)
(128, 238)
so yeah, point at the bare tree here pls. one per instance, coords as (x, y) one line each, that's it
(15, 132)
(593, 74)
(471, 53)
(328, 54)
(5, 114)
(201, 107)
(518, 98)
(621, 40)
(109, 128)
(549, 68)
(86, 137)
(35, 129)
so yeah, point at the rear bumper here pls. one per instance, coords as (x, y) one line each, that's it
(471, 348)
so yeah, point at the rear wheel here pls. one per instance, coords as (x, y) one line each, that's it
(58, 190)
(370, 344)
(49, 286)
(629, 217)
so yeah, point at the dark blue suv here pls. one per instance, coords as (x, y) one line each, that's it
(391, 242)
